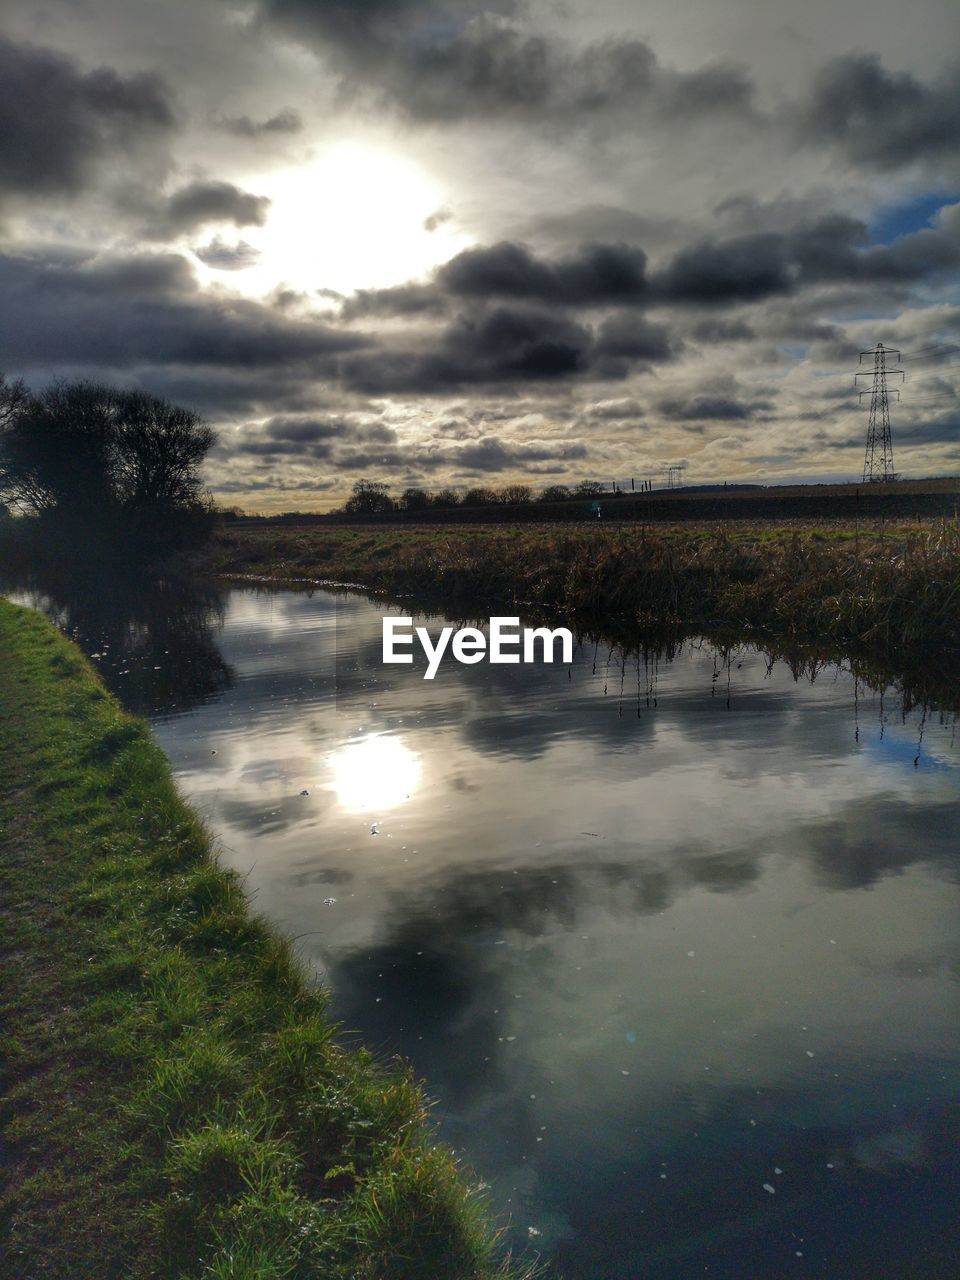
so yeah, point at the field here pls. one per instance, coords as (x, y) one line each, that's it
(918, 500)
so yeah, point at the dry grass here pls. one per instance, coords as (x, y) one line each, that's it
(890, 591)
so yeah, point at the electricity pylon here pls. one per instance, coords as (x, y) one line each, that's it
(878, 460)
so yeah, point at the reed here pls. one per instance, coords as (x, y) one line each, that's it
(892, 592)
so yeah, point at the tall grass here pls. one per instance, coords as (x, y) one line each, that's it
(893, 594)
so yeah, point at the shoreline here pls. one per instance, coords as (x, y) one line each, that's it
(888, 599)
(175, 1099)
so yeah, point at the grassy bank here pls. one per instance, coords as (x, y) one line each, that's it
(174, 1100)
(889, 591)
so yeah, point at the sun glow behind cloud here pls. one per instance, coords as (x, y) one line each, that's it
(352, 219)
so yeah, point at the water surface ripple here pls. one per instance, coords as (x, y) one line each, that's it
(674, 941)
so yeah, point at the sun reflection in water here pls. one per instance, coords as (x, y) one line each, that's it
(374, 773)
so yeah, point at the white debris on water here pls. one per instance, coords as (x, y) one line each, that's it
(768, 1187)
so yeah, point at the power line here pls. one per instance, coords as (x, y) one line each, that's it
(932, 373)
(930, 353)
(943, 357)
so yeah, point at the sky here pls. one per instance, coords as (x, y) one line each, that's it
(439, 243)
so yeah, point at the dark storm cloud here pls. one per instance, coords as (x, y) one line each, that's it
(227, 257)
(707, 407)
(350, 446)
(455, 61)
(200, 203)
(274, 483)
(632, 338)
(505, 344)
(391, 461)
(297, 437)
(509, 308)
(304, 430)
(834, 249)
(269, 449)
(743, 269)
(250, 391)
(880, 118)
(940, 430)
(717, 330)
(122, 312)
(597, 273)
(285, 121)
(309, 438)
(750, 269)
(492, 454)
(401, 300)
(58, 123)
(506, 333)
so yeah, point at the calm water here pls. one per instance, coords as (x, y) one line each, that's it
(675, 942)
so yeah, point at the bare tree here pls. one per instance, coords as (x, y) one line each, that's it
(12, 396)
(479, 498)
(515, 493)
(20, 485)
(56, 447)
(445, 498)
(369, 497)
(159, 450)
(94, 461)
(414, 500)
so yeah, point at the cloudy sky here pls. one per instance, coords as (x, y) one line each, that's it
(440, 242)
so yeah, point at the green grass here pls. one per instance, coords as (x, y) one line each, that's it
(174, 1099)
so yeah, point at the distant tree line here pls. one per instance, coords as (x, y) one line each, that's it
(370, 497)
(102, 469)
